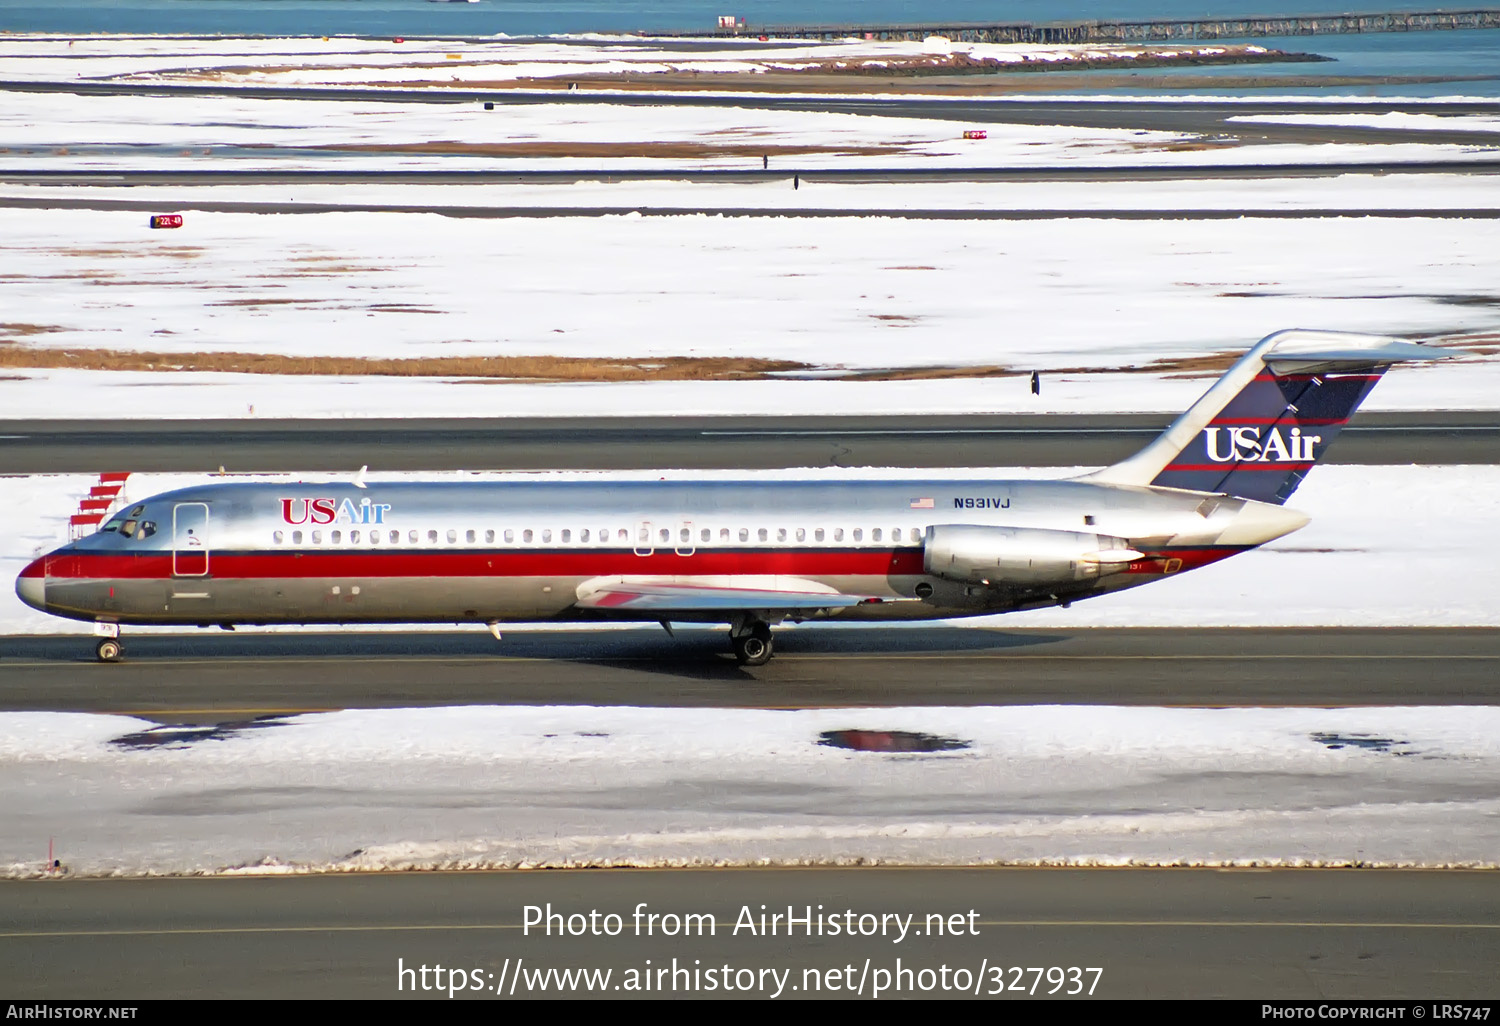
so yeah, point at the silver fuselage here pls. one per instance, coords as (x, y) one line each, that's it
(488, 551)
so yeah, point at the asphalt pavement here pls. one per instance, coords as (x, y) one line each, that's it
(616, 443)
(217, 677)
(1175, 933)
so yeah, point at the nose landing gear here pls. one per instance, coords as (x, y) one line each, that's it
(752, 643)
(108, 649)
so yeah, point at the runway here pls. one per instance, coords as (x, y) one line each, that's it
(619, 443)
(211, 677)
(1179, 933)
(782, 173)
(904, 213)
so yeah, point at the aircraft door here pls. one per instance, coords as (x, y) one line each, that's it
(644, 546)
(190, 539)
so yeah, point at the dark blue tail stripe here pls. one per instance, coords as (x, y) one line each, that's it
(1267, 438)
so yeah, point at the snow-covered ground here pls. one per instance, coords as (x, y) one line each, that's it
(539, 786)
(60, 131)
(345, 61)
(1387, 546)
(1081, 300)
(1354, 193)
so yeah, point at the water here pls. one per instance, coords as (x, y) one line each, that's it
(540, 17)
(1447, 54)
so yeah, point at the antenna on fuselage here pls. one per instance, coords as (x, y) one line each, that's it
(359, 477)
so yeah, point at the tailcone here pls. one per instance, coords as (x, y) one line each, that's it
(1259, 522)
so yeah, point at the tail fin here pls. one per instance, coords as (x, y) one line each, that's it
(1259, 430)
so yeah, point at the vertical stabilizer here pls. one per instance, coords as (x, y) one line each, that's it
(1264, 424)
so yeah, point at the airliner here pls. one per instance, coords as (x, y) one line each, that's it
(751, 554)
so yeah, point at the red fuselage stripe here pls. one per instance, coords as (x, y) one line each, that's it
(396, 563)
(481, 563)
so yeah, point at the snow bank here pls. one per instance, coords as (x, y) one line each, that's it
(529, 786)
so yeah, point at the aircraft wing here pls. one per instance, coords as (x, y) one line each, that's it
(715, 594)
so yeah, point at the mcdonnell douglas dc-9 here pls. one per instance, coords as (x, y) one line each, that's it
(750, 554)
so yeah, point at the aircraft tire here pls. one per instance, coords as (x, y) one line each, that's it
(753, 649)
(108, 650)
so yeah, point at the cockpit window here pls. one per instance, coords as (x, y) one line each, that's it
(113, 525)
(138, 511)
(148, 528)
(128, 528)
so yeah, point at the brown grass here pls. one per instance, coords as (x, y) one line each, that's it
(16, 329)
(523, 368)
(480, 369)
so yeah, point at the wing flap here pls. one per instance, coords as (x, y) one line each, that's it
(706, 595)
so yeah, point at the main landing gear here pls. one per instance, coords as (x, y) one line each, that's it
(752, 642)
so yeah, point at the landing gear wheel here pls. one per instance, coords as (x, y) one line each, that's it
(754, 647)
(108, 650)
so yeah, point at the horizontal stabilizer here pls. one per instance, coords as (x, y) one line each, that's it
(1291, 359)
(711, 594)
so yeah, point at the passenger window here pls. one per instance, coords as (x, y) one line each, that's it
(763, 534)
(622, 534)
(296, 537)
(412, 537)
(374, 537)
(818, 534)
(431, 538)
(705, 534)
(395, 537)
(875, 534)
(744, 534)
(916, 534)
(802, 534)
(452, 536)
(353, 536)
(546, 534)
(781, 534)
(317, 537)
(471, 537)
(565, 536)
(510, 535)
(666, 535)
(489, 537)
(526, 536)
(685, 535)
(859, 534)
(838, 534)
(277, 537)
(583, 536)
(723, 534)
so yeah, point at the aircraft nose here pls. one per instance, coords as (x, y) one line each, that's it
(31, 586)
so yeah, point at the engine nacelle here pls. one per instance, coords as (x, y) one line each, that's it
(1021, 555)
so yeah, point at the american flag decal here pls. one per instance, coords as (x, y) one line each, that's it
(921, 504)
